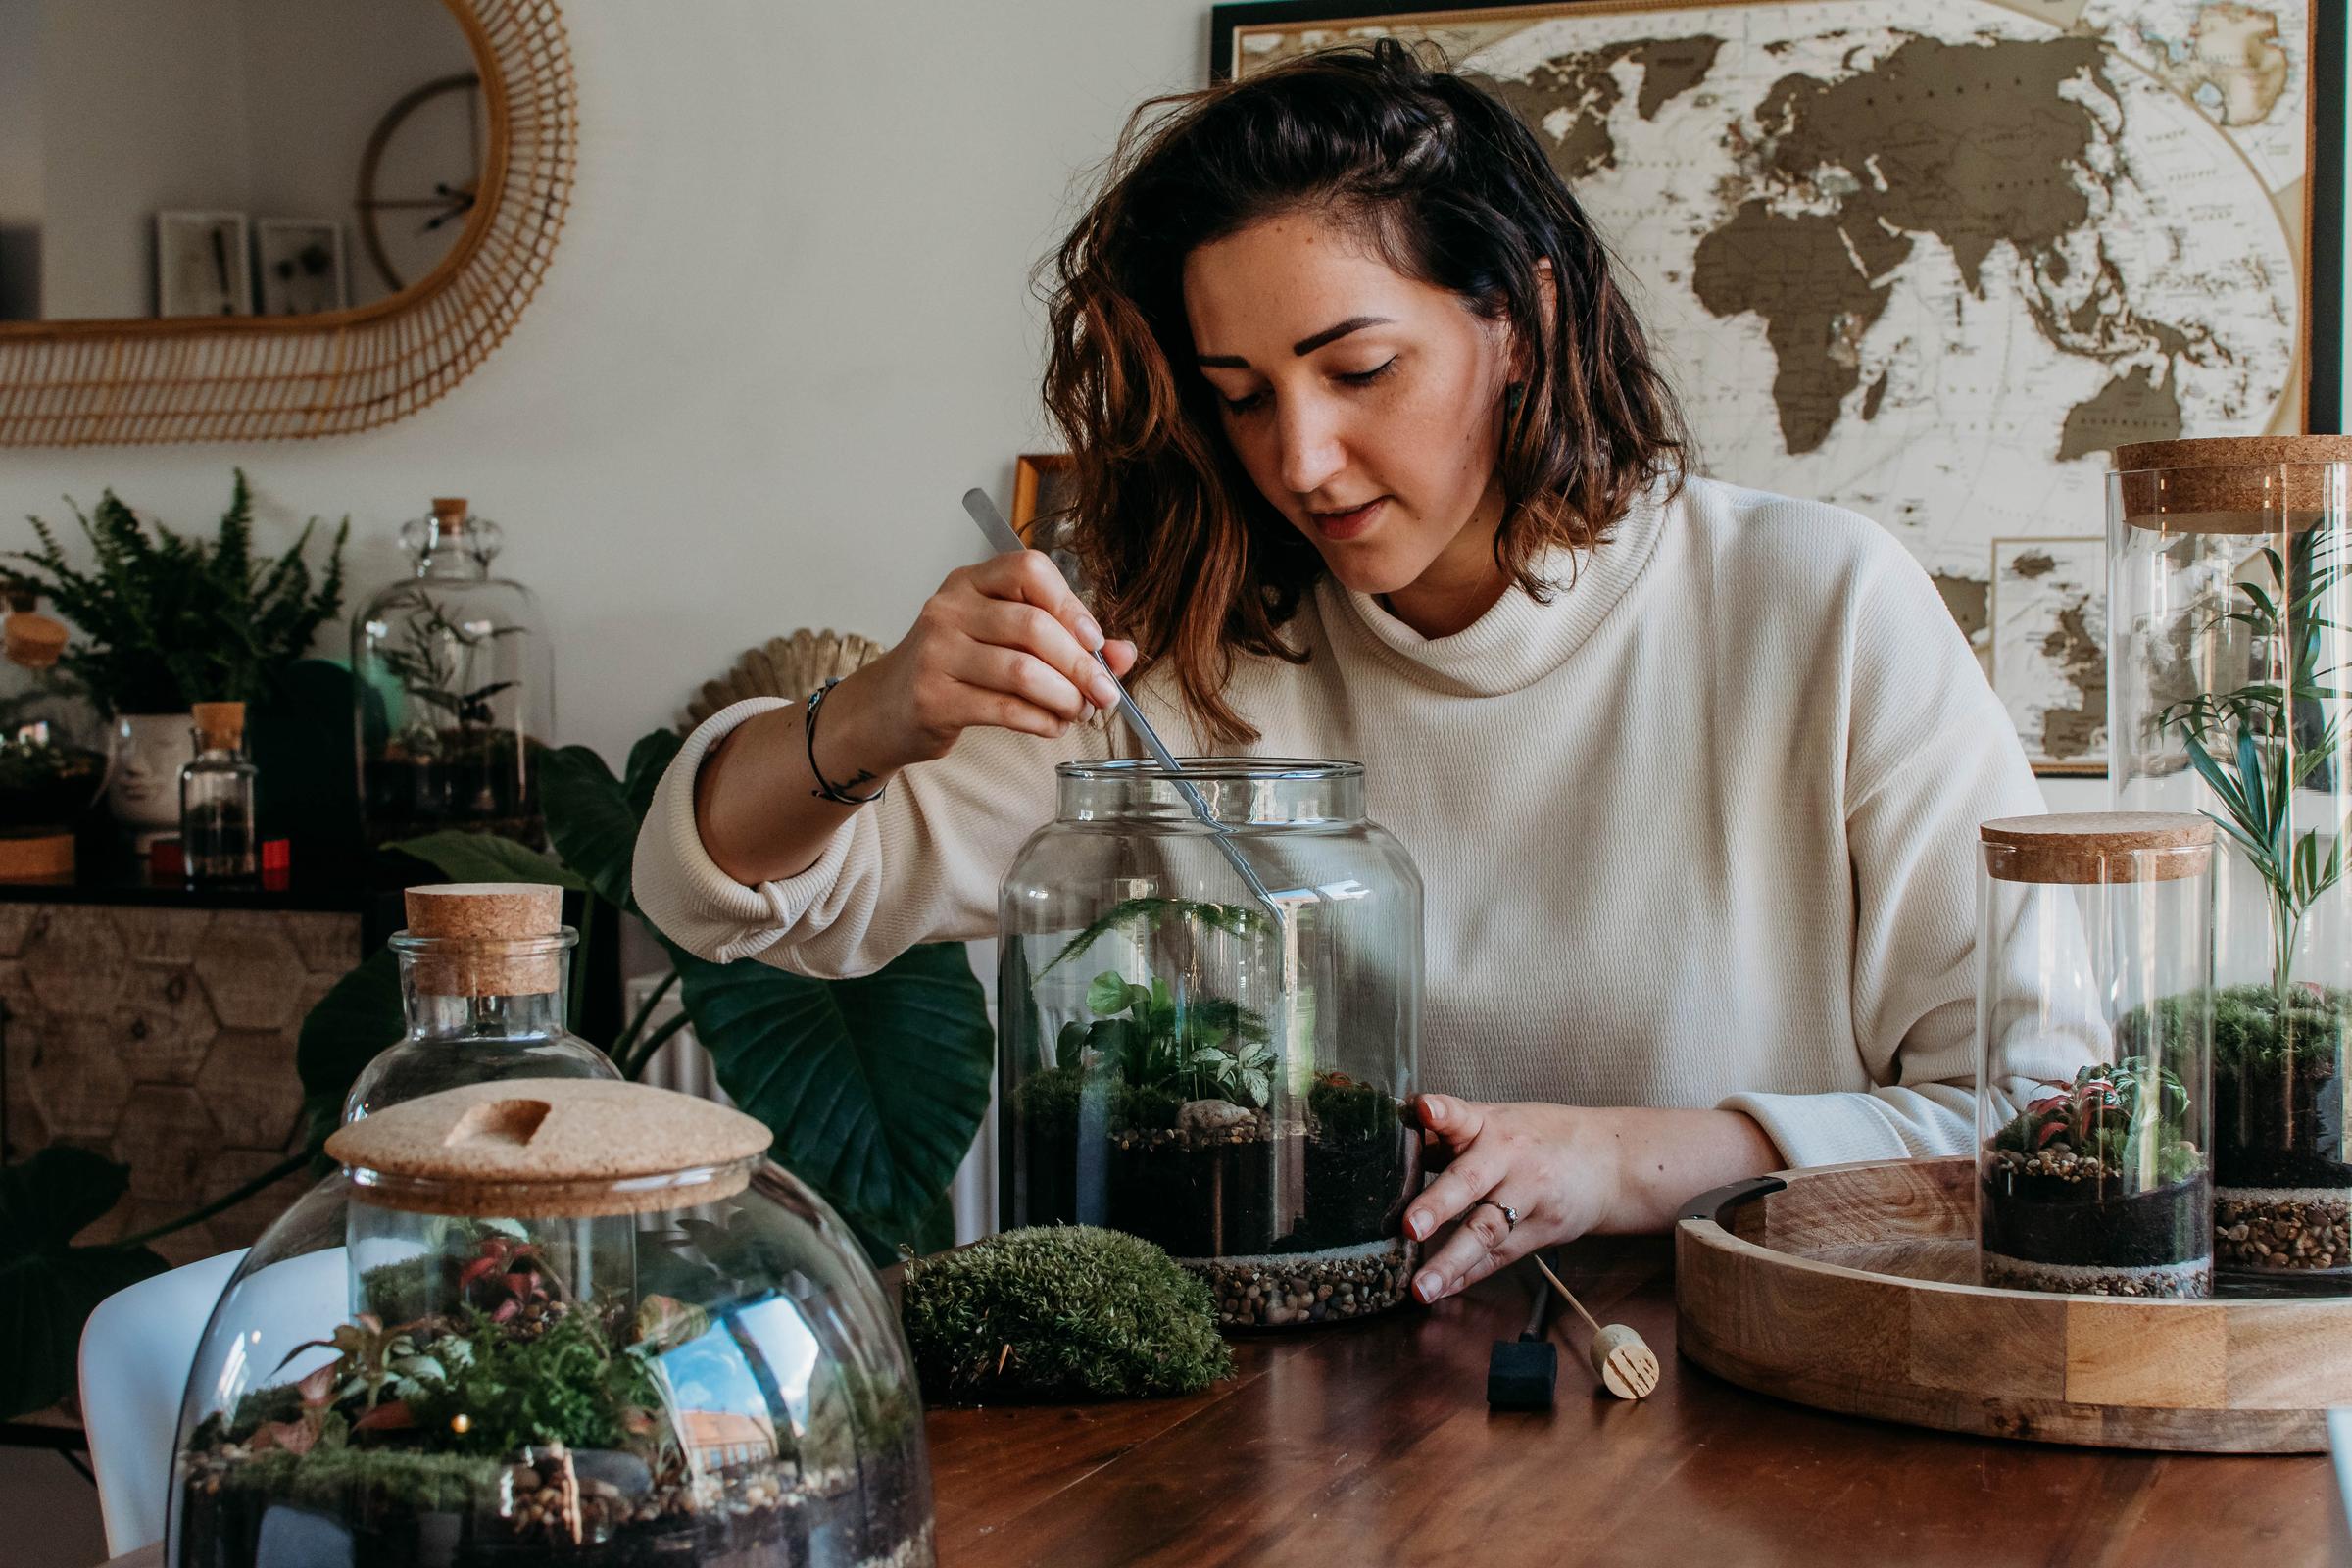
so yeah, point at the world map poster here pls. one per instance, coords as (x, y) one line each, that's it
(1931, 260)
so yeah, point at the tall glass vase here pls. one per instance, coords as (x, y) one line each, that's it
(2229, 664)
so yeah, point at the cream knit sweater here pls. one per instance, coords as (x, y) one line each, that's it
(1697, 832)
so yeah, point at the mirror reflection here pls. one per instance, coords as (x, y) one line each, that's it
(229, 157)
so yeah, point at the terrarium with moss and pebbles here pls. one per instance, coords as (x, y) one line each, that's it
(2228, 661)
(551, 1321)
(1210, 993)
(2095, 1030)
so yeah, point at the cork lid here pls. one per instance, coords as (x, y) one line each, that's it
(486, 939)
(32, 640)
(2233, 484)
(449, 509)
(2083, 847)
(220, 723)
(543, 1147)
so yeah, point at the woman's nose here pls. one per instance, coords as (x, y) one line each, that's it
(1312, 453)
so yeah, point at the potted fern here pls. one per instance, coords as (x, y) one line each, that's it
(168, 620)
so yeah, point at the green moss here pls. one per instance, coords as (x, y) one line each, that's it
(568, 1385)
(1349, 1113)
(332, 1478)
(1048, 1103)
(1060, 1312)
(2247, 1035)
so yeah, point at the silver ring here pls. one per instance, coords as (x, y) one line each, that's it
(1510, 1215)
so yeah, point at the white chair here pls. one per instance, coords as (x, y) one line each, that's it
(139, 1347)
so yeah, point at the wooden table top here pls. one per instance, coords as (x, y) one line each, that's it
(1370, 1443)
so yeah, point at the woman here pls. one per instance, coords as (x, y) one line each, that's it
(1373, 461)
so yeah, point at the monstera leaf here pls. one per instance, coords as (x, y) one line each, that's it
(48, 1285)
(873, 1087)
(593, 817)
(344, 1031)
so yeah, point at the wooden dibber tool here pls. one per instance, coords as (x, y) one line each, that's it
(1623, 1361)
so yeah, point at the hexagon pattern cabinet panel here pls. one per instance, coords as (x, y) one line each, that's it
(165, 1038)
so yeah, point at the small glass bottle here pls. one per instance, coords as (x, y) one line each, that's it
(482, 980)
(217, 838)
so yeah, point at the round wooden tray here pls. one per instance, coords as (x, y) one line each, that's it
(1851, 1288)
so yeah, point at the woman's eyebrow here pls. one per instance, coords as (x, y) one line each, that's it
(1303, 347)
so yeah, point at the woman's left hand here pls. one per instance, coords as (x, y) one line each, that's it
(1553, 1166)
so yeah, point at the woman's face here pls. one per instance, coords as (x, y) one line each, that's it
(1364, 404)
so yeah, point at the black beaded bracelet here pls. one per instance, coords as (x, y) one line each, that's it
(825, 790)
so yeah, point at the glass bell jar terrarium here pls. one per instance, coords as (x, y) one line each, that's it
(1211, 1011)
(2229, 695)
(484, 970)
(551, 1323)
(456, 689)
(2095, 1028)
(54, 747)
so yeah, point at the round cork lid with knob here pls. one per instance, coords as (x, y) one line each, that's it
(2089, 846)
(2250, 484)
(487, 939)
(530, 1147)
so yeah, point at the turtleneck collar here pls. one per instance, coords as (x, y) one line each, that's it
(1518, 641)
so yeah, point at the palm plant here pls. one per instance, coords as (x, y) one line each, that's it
(2256, 745)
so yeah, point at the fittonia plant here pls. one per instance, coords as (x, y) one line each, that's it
(2108, 1115)
(2256, 745)
(1207, 1048)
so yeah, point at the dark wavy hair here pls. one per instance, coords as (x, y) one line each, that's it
(1182, 552)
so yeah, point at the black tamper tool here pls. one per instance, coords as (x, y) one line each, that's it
(1521, 1374)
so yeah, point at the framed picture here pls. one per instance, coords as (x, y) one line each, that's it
(1932, 259)
(200, 266)
(1040, 490)
(300, 264)
(2047, 608)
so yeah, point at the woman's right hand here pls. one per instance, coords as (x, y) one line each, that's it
(1004, 644)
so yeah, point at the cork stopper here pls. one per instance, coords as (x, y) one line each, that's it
(2255, 484)
(527, 1148)
(2097, 846)
(449, 510)
(32, 640)
(490, 939)
(220, 726)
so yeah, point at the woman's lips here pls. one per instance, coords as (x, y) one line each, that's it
(1347, 525)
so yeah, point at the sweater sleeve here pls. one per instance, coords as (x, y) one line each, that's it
(921, 864)
(1930, 753)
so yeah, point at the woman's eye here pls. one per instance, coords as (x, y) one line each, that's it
(1243, 405)
(1367, 377)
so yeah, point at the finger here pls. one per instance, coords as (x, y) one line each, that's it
(1470, 1177)
(1032, 577)
(978, 706)
(1031, 630)
(1458, 1121)
(1019, 674)
(1119, 655)
(1482, 1244)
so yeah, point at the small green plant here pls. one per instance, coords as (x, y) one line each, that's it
(2127, 1117)
(1233, 920)
(1207, 1048)
(170, 621)
(1059, 1312)
(435, 662)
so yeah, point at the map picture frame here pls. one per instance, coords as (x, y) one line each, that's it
(2040, 427)
(2047, 658)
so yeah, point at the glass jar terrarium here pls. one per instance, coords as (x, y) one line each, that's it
(551, 1323)
(54, 747)
(483, 972)
(2094, 1029)
(2228, 689)
(1211, 1021)
(456, 689)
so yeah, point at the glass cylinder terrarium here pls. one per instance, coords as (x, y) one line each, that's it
(484, 979)
(456, 689)
(2095, 1030)
(551, 1323)
(2229, 696)
(1209, 1010)
(55, 745)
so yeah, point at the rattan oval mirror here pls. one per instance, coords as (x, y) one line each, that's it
(253, 377)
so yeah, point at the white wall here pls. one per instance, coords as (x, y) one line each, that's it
(788, 325)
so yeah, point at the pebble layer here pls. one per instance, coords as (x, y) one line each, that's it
(2177, 1280)
(2282, 1230)
(1292, 1290)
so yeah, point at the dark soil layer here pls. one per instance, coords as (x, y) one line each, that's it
(239, 1529)
(2279, 1124)
(408, 796)
(48, 801)
(2046, 1219)
(1221, 1193)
